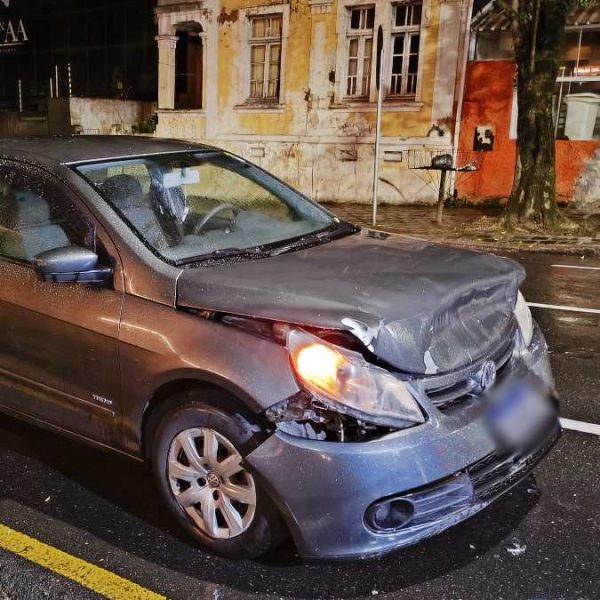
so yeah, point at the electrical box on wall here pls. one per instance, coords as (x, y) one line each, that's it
(346, 152)
(483, 138)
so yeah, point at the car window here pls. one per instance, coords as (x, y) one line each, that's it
(210, 185)
(35, 217)
(190, 205)
(133, 169)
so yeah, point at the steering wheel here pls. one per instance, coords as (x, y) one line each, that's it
(215, 211)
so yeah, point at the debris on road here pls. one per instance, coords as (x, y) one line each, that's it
(517, 549)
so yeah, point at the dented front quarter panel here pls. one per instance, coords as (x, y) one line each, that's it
(160, 344)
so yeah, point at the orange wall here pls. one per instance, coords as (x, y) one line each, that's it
(488, 101)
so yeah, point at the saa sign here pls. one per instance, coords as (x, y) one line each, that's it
(12, 33)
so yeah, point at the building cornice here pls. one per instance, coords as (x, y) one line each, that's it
(178, 6)
(320, 7)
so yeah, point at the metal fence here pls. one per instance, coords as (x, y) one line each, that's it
(15, 124)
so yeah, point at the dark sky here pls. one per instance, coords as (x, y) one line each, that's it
(478, 5)
(109, 45)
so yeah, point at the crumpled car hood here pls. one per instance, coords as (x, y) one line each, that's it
(421, 307)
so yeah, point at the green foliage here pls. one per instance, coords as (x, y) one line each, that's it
(145, 126)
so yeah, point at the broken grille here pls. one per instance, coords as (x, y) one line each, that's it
(449, 396)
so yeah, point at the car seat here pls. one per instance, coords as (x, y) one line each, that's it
(125, 193)
(27, 228)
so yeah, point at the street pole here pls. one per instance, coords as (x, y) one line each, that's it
(381, 56)
(441, 195)
(20, 96)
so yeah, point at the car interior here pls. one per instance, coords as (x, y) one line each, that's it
(27, 226)
(127, 196)
(180, 218)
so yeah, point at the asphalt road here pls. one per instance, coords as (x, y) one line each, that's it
(541, 540)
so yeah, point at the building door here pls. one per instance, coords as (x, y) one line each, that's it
(189, 61)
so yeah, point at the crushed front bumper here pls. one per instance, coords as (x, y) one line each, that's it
(448, 469)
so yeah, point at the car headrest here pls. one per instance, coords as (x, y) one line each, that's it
(30, 210)
(124, 191)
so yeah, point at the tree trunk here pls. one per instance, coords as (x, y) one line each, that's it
(537, 33)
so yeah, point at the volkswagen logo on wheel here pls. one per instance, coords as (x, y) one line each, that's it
(213, 480)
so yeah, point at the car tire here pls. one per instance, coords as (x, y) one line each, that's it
(258, 526)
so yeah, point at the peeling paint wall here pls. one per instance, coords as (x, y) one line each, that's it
(310, 138)
(105, 116)
(587, 190)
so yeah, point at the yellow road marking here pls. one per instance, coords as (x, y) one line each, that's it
(85, 574)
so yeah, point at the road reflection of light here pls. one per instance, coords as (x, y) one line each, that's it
(568, 319)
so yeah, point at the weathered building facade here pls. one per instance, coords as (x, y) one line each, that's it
(291, 85)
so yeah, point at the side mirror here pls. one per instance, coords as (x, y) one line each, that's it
(70, 265)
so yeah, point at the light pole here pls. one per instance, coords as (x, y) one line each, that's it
(379, 83)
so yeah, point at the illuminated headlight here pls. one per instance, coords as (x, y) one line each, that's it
(345, 382)
(523, 316)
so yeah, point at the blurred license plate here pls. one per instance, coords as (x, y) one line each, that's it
(518, 413)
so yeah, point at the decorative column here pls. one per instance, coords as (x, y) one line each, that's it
(166, 71)
(452, 37)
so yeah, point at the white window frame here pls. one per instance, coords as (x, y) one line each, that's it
(408, 31)
(384, 15)
(268, 43)
(245, 39)
(361, 35)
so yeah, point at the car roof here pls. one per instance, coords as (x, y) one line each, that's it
(90, 148)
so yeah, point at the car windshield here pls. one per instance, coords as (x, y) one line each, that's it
(189, 206)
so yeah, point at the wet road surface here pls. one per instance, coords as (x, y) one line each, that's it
(541, 540)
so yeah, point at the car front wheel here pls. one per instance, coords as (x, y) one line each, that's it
(198, 461)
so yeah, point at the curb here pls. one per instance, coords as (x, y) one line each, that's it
(565, 249)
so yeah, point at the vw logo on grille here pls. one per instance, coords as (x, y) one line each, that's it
(487, 375)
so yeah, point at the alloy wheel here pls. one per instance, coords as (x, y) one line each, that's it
(210, 484)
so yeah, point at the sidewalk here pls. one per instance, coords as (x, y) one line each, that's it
(460, 228)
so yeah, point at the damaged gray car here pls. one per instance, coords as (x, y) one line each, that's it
(280, 370)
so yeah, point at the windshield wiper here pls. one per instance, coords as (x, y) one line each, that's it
(332, 232)
(256, 252)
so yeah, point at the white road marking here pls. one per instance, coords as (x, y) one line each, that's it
(593, 311)
(576, 267)
(580, 426)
